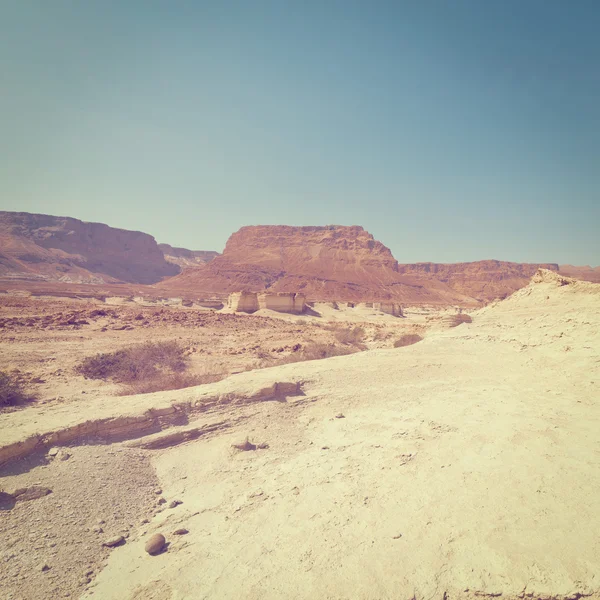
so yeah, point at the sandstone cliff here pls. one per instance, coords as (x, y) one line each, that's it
(47, 248)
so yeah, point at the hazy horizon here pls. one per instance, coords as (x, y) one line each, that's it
(453, 132)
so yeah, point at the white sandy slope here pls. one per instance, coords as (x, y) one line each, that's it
(466, 465)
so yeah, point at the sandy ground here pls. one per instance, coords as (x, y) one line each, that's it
(46, 338)
(466, 465)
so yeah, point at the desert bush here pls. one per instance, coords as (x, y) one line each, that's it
(12, 390)
(407, 340)
(309, 351)
(137, 363)
(353, 337)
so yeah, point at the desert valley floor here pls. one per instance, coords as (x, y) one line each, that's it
(465, 465)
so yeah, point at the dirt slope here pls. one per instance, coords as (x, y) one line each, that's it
(464, 466)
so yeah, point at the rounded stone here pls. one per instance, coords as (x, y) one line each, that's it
(114, 541)
(155, 543)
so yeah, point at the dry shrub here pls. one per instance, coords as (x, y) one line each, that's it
(146, 368)
(310, 351)
(407, 340)
(12, 390)
(352, 337)
(137, 363)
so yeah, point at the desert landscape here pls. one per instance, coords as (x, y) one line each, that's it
(300, 416)
(300, 300)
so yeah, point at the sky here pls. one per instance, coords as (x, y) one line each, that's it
(452, 130)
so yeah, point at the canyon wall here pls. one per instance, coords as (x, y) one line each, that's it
(45, 248)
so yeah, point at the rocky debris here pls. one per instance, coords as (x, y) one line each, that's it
(340, 416)
(155, 544)
(181, 531)
(175, 503)
(101, 491)
(247, 446)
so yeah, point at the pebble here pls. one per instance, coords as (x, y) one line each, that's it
(180, 532)
(175, 503)
(114, 541)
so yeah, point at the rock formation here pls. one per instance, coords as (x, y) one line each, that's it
(243, 302)
(330, 263)
(286, 302)
(186, 258)
(46, 248)
(389, 307)
(323, 263)
(249, 302)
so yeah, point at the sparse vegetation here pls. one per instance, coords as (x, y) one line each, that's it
(310, 351)
(351, 337)
(146, 368)
(407, 340)
(135, 364)
(12, 390)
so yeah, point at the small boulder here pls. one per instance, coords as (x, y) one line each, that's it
(113, 541)
(175, 503)
(31, 493)
(155, 544)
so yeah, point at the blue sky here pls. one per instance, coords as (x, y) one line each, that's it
(452, 130)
